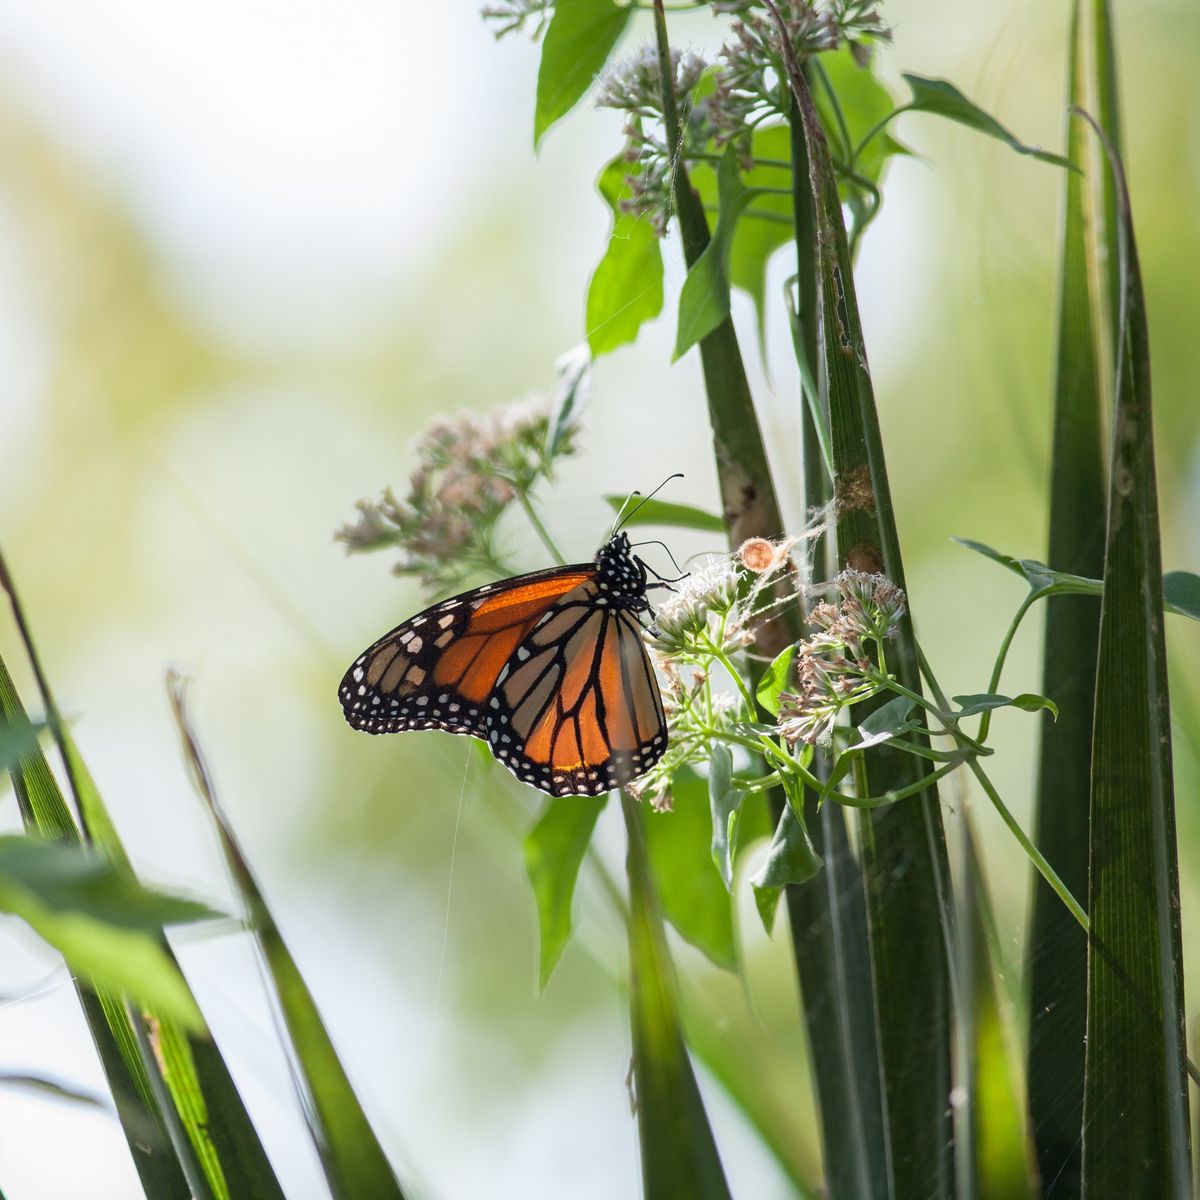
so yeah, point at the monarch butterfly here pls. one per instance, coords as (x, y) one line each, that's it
(549, 669)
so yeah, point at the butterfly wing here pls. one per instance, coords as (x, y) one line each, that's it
(577, 710)
(438, 669)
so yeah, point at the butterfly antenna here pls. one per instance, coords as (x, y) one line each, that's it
(625, 521)
(655, 542)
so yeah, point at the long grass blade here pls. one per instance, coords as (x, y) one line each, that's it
(1057, 955)
(679, 1155)
(181, 1074)
(904, 851)
(1135, 1127)
(997, 1151)
(354, 1162)
(44, 811)
(829, 931)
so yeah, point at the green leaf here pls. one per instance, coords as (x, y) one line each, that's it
(354, 1162)
(774, 680)
(679, 1155)
(891, 718)
(943, 98)
(724, 800)
(101, 921)
(970, 706)
(17, 742)
(998, 1152)
(554, 851)
(43, 1085)
(688, 882)
(1181, 593)
(888, 722)
(1180, 589)
(626, 289)
(1040, 577)
(791, 858)
(767, 223)
(1135, 1112)
(704, 298)
(864, 102)
(1057, 966)
(580, 37)
(660, 512)
(828, 920)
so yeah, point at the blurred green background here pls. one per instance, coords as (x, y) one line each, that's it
(246, 252)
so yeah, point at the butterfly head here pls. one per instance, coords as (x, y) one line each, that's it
(621, 575)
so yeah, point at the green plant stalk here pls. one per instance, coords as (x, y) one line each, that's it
(907, 873)
(748, 500)
(1057, 951)
(749, 504)
(679, 1155)
(539, 527)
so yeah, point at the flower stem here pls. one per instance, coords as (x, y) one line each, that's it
(539, 528)
(1035, 855)
(986, 719)
(903, 793)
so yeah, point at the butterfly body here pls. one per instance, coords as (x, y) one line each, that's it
(549, 669)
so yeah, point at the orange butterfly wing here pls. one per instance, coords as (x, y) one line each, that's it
(437, 670)
(577, 710)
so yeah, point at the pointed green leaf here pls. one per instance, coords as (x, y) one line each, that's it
(102, 922)
(998, 1151)
(1181, 593)
(774, 680)
(943, 98)
(580, 37)
(17, 742)
(626, 289)
(554, 851)
(704, 298)
(1135, 1115)
(1057, 956)
(864, 103)
(724, 800)
(828, 920)
(970, 706)
(904, 858)
(661, 512)
(767, 224)
(1180, 589)
(791, 858)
